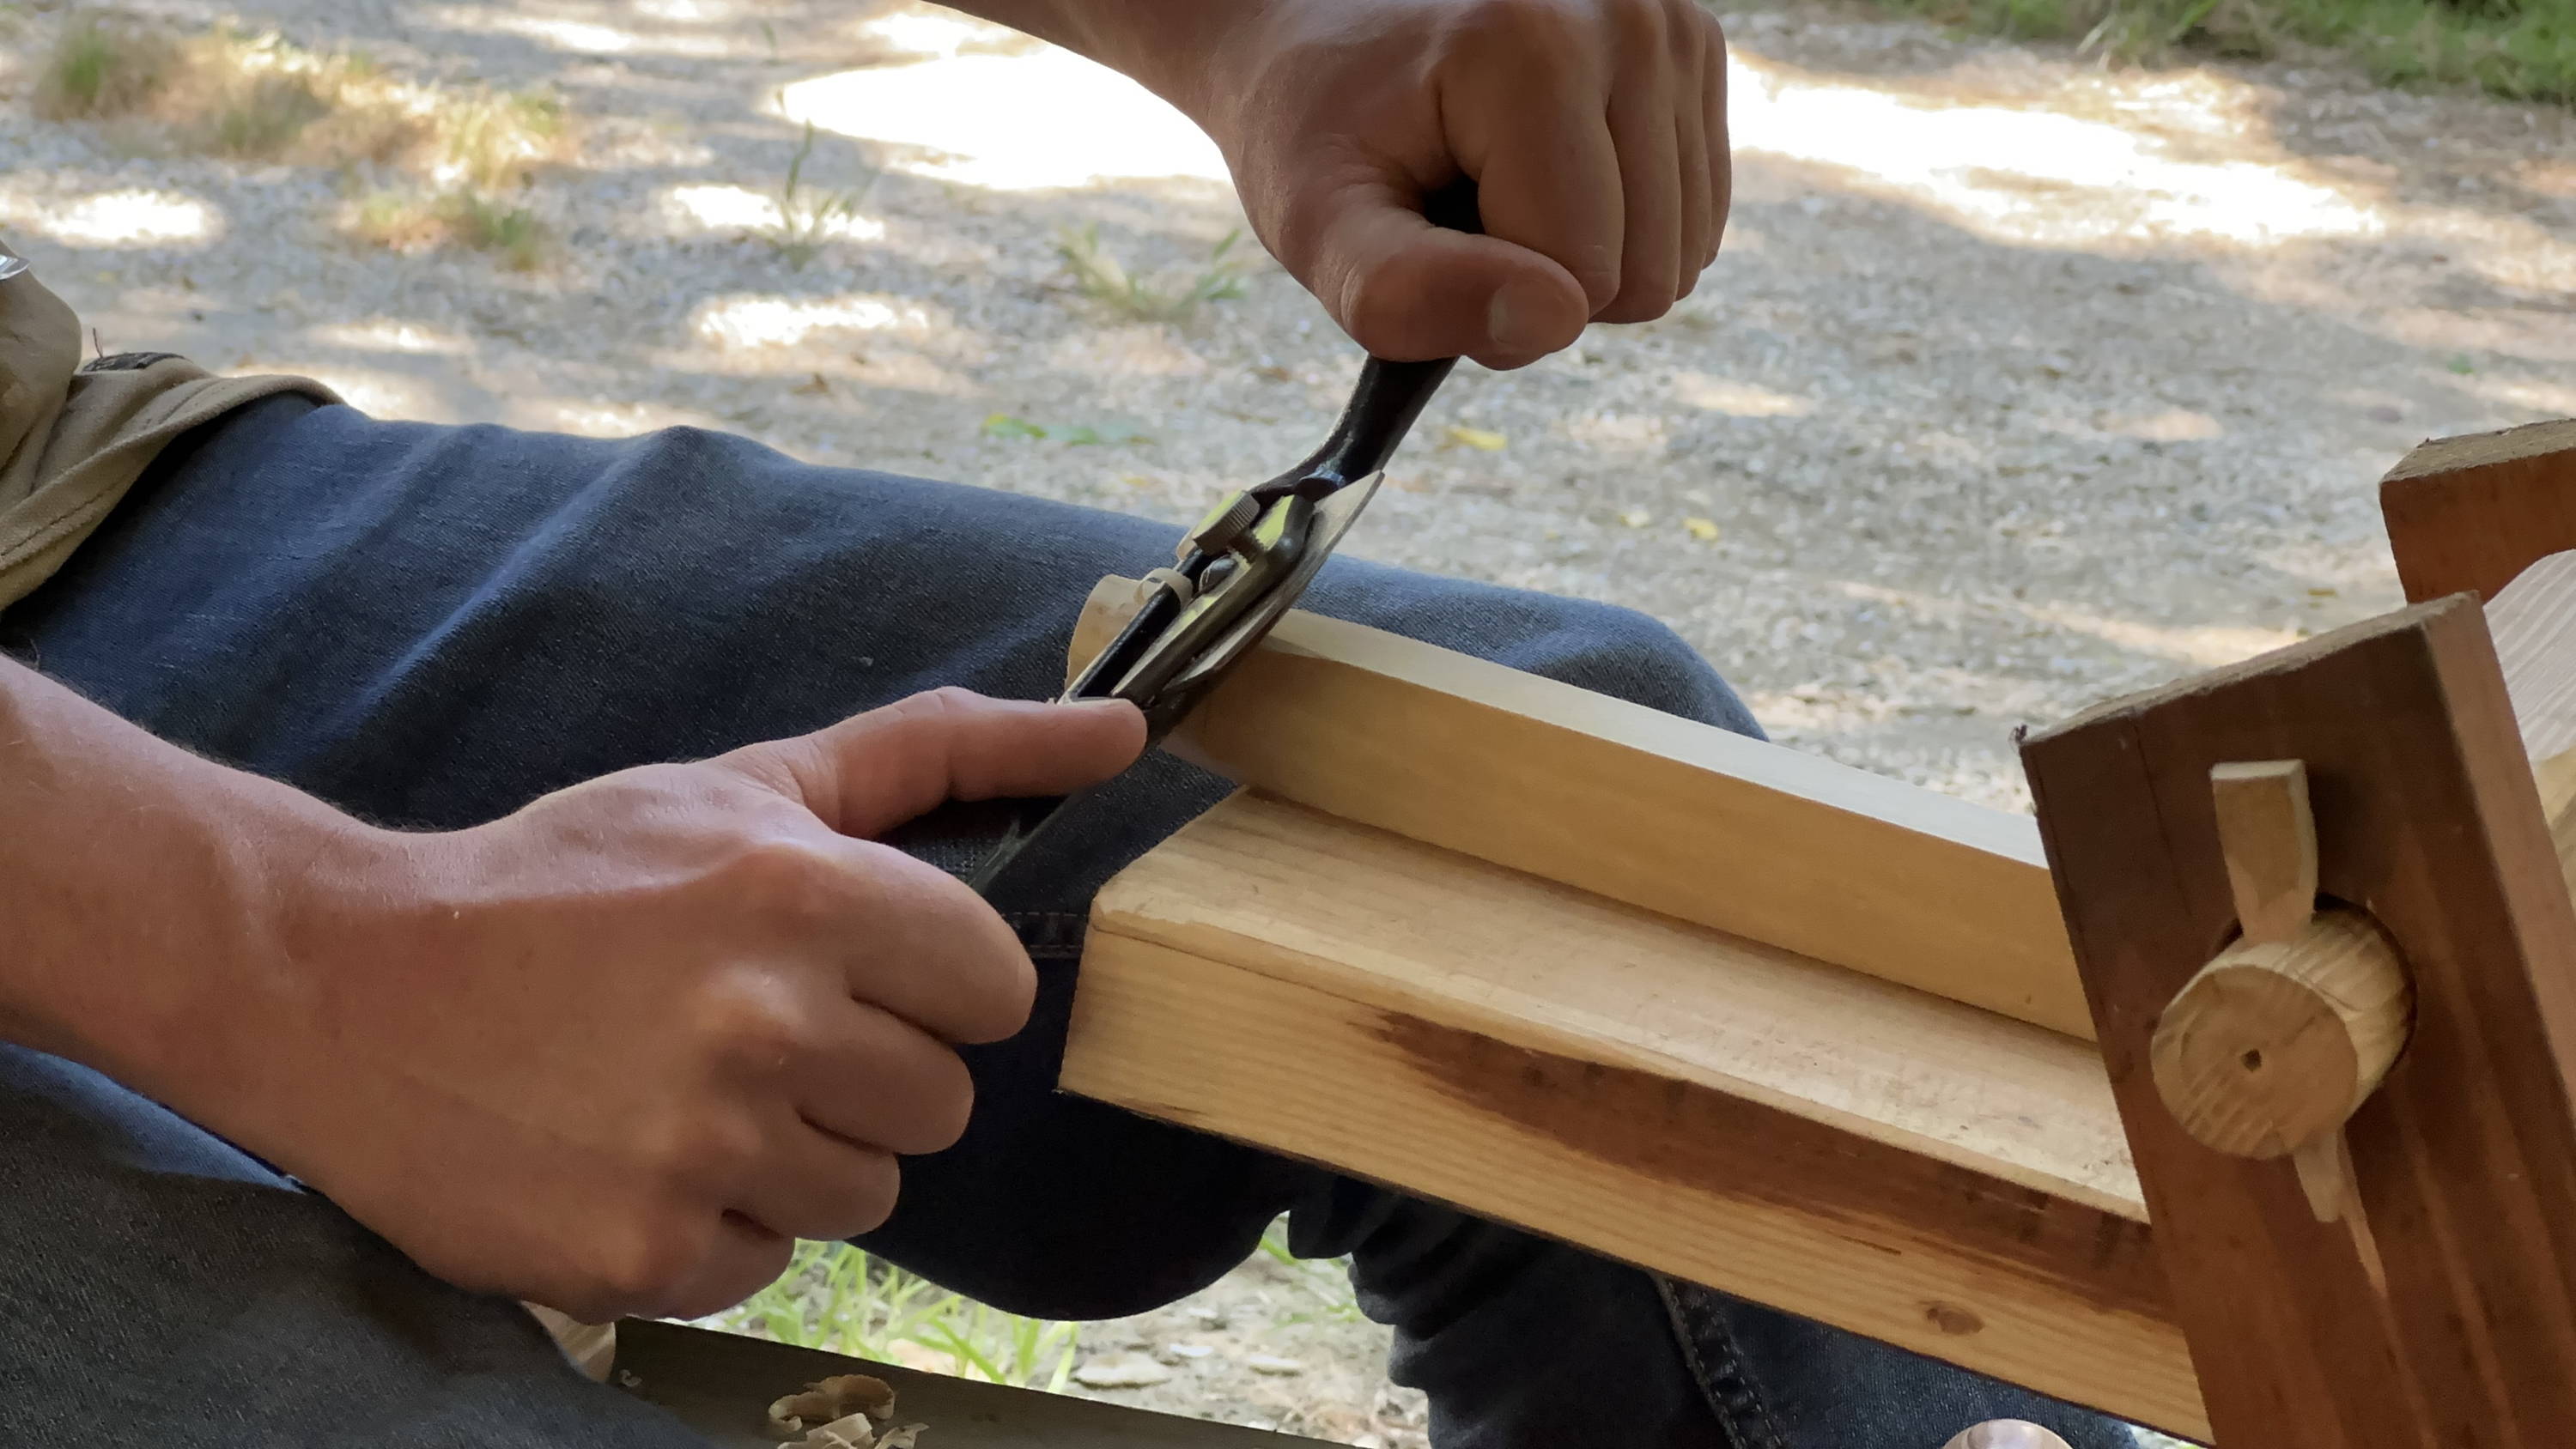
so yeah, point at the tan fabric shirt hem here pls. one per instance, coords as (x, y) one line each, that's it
(73, 442)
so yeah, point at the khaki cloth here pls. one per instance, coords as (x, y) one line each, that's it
(73, 438)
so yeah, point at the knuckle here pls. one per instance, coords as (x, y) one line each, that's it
(1638, 305)
(696, 1149)
(1701, 26)
(995, 1000)
(1646, 24)
(1523, 40)
(947, 1097)
(944, 705)
(794, 880)
(753, 1023)
(640, 1262)
(873, 1197)
(1374, 307)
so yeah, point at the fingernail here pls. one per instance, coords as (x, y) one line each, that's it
(1098, 706)
(1516, 320)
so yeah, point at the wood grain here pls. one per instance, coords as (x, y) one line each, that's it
(2470, 513)
(1868, 1155)
(2268, 837)
(2533, 621)
(2277, 1042)
(2466, 1157)
(1681, 818)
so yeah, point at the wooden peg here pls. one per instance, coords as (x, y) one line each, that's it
(2268, 834)
(2275, 1043)
(2272, 1046)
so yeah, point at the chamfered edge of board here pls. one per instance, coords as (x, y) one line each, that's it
(1667, 813)
(1829, 783)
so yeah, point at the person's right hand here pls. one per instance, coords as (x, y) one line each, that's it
(614, 1052)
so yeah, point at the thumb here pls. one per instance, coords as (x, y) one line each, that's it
(1408, 290)
(874, 771)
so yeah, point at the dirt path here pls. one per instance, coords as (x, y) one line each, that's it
(2019, 384)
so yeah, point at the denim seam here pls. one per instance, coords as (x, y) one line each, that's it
(1049, 935)
(1727, 1387)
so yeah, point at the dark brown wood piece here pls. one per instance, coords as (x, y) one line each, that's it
(2469, 513)
(2466, 1158)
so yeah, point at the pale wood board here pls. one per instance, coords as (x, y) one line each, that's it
(1864, 1154)
(1678, 817)
(2533, 622)
(1259, 899)
(1389, 922)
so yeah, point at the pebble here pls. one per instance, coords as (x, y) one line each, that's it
(1909, 476)
(1126, 1371)
(1271, 1363)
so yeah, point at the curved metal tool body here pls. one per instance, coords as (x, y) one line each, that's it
(1254, 553)
(1248, 560)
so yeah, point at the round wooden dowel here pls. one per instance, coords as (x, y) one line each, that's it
(2274, 1043)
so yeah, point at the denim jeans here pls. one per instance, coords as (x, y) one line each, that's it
(429, 626)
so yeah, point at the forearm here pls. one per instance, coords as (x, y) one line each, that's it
(141, 887)
(1170, 46)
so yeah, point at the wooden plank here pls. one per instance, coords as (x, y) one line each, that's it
(1823, 860)
(2533, 621)
(2470, 513)
(1871, 1156)
(2466, 1157)
(2534, 624)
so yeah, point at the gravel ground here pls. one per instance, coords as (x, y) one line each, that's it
(2021, 383)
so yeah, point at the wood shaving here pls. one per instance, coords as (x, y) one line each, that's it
(856, 1431)
(829, 1403)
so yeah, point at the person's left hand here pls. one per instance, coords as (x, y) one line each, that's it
(1594, 129)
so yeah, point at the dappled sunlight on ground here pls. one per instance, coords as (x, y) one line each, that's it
(385, 334)
(2034, 175)
(1736, 399)
(780, 322)
(124, 219)
(2020, 383)
(575, 36)
(734, 210)
(1025, 118)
